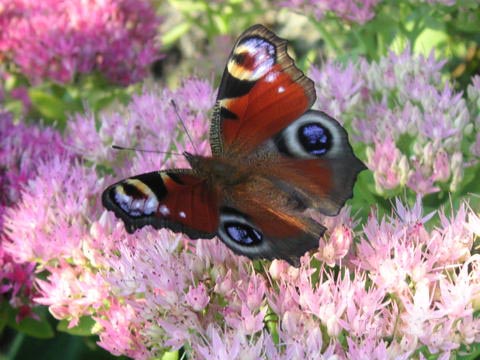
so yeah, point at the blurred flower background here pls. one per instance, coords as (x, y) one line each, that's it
(397, 275)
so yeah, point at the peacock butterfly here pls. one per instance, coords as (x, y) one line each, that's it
(272, 159)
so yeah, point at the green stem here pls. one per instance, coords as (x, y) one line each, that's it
(15, 347)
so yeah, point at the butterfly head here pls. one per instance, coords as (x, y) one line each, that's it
(197, 162)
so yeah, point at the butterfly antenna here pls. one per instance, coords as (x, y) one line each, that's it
(183, 124)
(117, 147)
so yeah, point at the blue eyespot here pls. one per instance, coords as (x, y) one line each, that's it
(242, 233)
(315, 139)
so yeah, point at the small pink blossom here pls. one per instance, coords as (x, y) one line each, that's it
(220, 346)
(336, 247)
(22, 147)
(71, 292)
(255, 292)
(388, 164)
(247, 322)
(197, 297)
(281, 269)
(118, 336)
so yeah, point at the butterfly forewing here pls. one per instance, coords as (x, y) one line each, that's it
(175, 199)
(261, 92)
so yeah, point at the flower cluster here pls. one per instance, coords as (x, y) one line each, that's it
(412, 122)
(401, 282)
(59, 39)
(355, 11)
(352, 10)
(149, 122)
(21, 148)
(55, 219)
(394, 288)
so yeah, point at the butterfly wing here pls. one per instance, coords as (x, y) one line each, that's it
(174, 199)
(257, 230)
(313, 160)
(261, 92)
(261, 116)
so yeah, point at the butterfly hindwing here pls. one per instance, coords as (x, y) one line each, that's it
(175, 199)
(261, 92)
(313, 160)
(261, 231)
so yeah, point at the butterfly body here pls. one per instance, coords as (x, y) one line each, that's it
(272, 162)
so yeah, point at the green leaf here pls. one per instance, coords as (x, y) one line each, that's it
(51, 108)
(363, 195)
(170, 355)
(28, 326)
(470, 183)
(84, 327)
(469, 352)
(4, 306)
(175, 33)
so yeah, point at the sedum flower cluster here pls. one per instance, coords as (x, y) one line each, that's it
(394, 286)
(58, 40)
(414, 125)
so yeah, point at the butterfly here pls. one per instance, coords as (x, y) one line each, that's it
(273, 160)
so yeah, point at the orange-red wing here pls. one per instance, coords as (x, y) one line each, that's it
(174, 199)
(262, 92)
(255, 229)
(320, 184)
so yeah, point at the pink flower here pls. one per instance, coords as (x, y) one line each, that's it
(253, 293)
(247, 322)
(22, 147)
(280, 269)
(360, 12)
(197, 297)
(410, 120)
(336, 247)
(117, 333)
(71, 292)
(419, 312)
(56, 226)
(230, 344)
(338, 88)
(149, 114)
(58, 40)
(372, 349)
(390, 167)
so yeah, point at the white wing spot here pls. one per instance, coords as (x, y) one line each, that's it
(164, 210)
(150, 205)
(271, 77)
